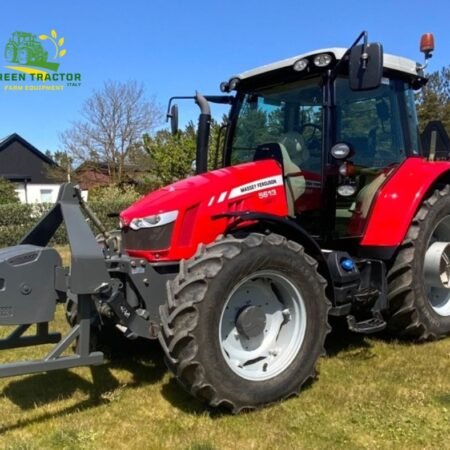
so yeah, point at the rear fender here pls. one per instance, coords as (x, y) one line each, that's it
(399, 199)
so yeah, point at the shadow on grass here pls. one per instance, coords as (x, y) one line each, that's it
(143, 359)
(443, 399)
(341, 339)
(174, 393)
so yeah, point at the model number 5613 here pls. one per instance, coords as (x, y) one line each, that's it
(267, 194)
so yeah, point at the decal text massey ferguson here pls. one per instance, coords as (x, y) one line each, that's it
(256, 186)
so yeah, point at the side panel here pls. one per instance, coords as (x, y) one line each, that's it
(399, 199)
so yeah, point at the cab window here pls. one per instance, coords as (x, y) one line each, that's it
(372, 123)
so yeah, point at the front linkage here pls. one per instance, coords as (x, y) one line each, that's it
(102, 283)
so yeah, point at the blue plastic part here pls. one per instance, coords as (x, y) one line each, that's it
(347, 264)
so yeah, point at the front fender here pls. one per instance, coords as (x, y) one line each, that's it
(399, 199)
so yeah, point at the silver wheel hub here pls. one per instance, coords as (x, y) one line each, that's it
(262, 325)
(436, 268)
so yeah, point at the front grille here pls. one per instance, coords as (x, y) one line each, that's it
(156, 238)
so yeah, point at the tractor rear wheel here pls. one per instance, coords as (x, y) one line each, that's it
(246, 321)
(419, 303)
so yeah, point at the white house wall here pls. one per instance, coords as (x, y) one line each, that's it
(37, 193)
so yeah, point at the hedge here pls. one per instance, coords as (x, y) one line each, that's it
(17, 219)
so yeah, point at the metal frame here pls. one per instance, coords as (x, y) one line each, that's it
(87, 276)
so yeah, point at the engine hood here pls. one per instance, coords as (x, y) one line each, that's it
(170, 223)
(208, 187)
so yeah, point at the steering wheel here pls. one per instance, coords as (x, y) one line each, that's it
(312, 139)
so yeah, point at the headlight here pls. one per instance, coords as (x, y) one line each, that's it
(322, 60)
(300, 65)
(233, 83)
(157, 220)
(340, 150)
(346, 190)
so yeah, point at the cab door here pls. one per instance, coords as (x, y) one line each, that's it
(374, 124)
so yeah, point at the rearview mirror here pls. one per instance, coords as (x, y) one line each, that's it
(174, 119)
(365, 66)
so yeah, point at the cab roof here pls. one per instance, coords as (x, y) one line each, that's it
(392, 62)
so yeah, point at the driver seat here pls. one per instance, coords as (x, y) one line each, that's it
(296, 146)
(294, 179)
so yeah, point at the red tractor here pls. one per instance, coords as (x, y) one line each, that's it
(325, 205)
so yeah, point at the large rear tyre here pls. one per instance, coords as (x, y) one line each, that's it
(246, 321)
(418, 309)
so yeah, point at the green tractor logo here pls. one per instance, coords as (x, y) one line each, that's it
(26, 50)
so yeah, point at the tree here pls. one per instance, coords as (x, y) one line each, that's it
(63, 171)
(114, 120)
(433, 100)
(7, 192)
(172, 156)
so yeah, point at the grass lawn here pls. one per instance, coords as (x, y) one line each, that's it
(370, 393)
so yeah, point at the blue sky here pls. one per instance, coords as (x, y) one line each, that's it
(175, 47)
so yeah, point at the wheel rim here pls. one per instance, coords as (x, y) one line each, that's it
(262, 326)
(9, 54)
(439, 298)
(22, 57)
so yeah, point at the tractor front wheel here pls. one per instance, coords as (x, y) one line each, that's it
(419, 280)
(10, 53)
(22, 56)
(246, 321)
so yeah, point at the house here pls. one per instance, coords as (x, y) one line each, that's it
(92, 174)
(27, 167)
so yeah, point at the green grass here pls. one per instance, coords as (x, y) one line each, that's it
(370, 393)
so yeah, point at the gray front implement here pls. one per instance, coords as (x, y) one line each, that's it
(32, 280)
(105, 284)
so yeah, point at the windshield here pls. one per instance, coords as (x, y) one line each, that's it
(290, 115)
(379, 125)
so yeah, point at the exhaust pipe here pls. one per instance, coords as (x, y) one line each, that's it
(204, 125)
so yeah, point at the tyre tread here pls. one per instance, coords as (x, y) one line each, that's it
(176, 339)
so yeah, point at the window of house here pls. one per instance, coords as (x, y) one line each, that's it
(46, 195)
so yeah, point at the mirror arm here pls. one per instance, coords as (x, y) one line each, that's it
(361, 35)
(168, 115)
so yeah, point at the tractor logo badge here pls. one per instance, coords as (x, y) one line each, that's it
(25, 51)
(37, 59)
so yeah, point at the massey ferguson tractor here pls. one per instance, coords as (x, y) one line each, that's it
(325, 204)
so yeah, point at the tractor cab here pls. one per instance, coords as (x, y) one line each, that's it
(21, 37)
(338, 141)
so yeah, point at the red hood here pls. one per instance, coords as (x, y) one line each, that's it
(255, 186)
(199, 188)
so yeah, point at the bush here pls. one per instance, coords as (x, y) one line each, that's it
(17, 220)
(125, 193)
(7, 192)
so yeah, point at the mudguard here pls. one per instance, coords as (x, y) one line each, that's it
(399, 199)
